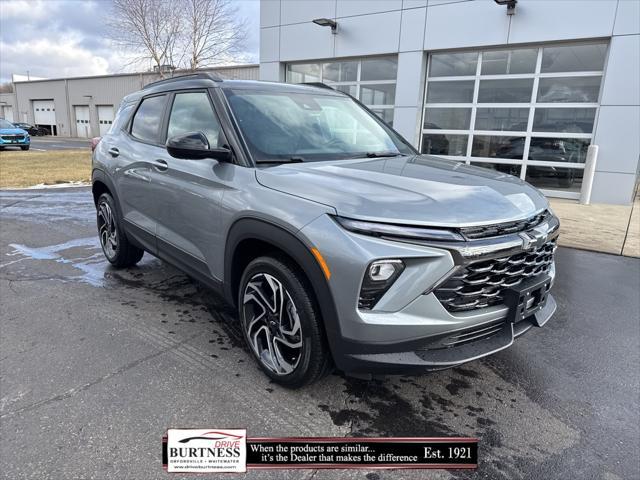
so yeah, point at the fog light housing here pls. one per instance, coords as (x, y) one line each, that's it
(378, 278)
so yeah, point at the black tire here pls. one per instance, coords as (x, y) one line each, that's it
(314, 359)
(25, 148)
(121, 253)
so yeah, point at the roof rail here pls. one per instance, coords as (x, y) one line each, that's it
(203, 75)
(319, 85)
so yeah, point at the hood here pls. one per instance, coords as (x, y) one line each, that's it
(12, 131)
(417, 190)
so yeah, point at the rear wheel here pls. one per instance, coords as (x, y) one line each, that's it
(281, 322)
(115, 245)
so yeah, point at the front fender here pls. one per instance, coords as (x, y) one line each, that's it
(299, 249)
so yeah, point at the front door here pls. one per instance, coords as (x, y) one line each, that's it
(190, 191)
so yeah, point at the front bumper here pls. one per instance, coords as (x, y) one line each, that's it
(11, 140)
(409, 330)
(430, 354)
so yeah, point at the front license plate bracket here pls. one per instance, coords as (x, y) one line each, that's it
(527, 298)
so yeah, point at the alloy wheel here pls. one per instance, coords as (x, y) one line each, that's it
(272, 324)
(107, 230)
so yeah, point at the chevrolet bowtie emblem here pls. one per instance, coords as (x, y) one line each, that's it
(532, 239)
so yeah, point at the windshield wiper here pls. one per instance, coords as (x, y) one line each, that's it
(383, 154)
(282, 160)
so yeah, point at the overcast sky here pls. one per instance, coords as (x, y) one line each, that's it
(66, 38)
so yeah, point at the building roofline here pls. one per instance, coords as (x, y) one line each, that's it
(135, 74)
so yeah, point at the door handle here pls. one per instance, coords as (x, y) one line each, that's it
(160, 165)
(114, 152)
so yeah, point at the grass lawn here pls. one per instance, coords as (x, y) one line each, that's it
(27, 168)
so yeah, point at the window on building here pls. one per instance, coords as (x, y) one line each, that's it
(148, 119)
(192, 112)
(370, 80)
(524, 111)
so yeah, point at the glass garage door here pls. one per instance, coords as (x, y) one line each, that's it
(525, 111)
(370, 80)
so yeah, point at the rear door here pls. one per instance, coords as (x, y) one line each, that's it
(135, 153)
(189, 192)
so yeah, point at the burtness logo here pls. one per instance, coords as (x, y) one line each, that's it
(206, 450)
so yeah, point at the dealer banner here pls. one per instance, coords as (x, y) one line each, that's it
(218, 450)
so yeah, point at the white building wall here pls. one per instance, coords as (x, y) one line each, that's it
(413, 28)
(8, 106)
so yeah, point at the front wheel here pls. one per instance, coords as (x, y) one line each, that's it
(25, 147)
(281, 322)
(115, 245)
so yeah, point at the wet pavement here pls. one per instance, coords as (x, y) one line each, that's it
(96, 364)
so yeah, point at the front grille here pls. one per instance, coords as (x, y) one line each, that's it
(482, 332)
(482, 283)
(473, 233)
(12, 137)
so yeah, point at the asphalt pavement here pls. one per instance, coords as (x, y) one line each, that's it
(96, 364)
(59, 143)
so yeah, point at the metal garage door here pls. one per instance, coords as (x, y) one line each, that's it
(105, 118)
(7, 113)
(83, 125)
(44, 114)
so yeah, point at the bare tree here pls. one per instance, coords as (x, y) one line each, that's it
(212, 32)
(147, 28)
(6, 87)
(204, 32)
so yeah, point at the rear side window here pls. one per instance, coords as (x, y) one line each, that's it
(192, 112)
(147, 120)
(121, 118)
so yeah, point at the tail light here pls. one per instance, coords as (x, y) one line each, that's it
(94, 142)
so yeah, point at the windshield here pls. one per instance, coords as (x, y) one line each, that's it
(286, 126)
(5, 124)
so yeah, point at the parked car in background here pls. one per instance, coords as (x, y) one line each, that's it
(12, 136)
(32, 130)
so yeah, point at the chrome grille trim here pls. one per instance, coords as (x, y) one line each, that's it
(480, 284)
(473, 233)
(467, 336)
(473, 335)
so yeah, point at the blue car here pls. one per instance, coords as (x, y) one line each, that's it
(11, 136)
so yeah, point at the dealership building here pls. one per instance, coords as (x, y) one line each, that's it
(85, 106)
(524, 88)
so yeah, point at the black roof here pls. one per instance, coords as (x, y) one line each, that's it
(208, 80)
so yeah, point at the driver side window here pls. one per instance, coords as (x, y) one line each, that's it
(192, 112)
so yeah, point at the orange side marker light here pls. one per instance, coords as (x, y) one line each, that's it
(321, 262)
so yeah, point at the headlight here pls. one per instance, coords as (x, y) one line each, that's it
(401, 231)
(378, 278)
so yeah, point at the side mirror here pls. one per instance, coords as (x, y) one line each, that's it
(195, 146)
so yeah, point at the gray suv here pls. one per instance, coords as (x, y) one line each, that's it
(337, 242)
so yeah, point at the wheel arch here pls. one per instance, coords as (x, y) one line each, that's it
(247, 233)
(101, 183)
